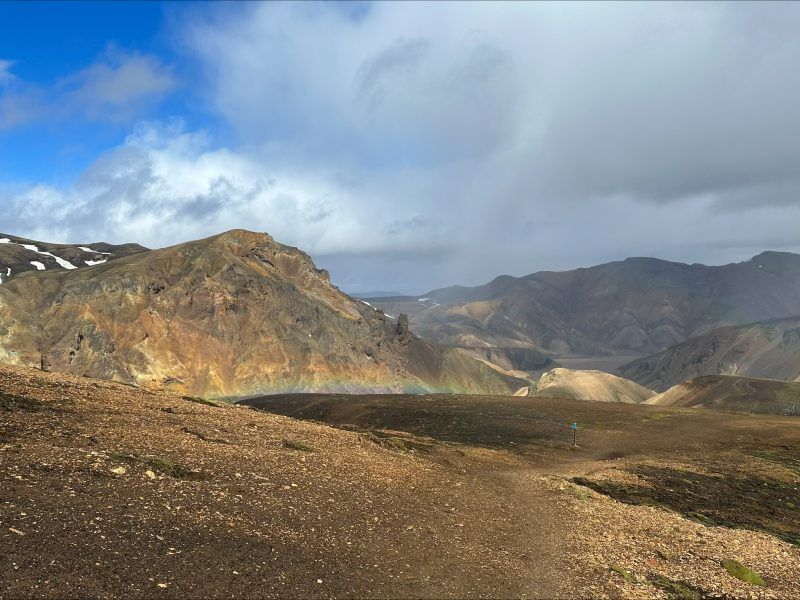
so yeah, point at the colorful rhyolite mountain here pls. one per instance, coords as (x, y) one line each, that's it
(636, 306)
(768, 349)
(231, 315)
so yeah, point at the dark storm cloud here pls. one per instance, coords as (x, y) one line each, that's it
(388, 67)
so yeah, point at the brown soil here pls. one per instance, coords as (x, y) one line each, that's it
(111, 491)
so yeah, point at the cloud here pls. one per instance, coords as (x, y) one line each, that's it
(116, 87)
(6, 76)
(166, 185)
(575, 117)
(414, 145)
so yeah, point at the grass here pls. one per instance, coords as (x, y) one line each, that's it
(738, 570)
(294, 445)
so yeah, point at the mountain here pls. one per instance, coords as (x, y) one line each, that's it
(19, 255)
(234, 314)
(590, 385)
(635, 306)
(727, 392)
(768, 349)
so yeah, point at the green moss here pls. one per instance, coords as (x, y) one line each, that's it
(626, 575)
(293, 445)
(738, 570)
(198, 400)
(700, 518)
(677, 590)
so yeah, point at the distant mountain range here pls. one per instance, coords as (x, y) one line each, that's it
(231, 315)
(769, 349)
(636, 306)
(20, 255)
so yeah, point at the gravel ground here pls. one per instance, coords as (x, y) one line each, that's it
(112, 491)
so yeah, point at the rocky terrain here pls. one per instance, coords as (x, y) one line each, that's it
(636, 306)
(768, 349)
(590, 385)
(107, 490)
(728, 392)
(231, 315)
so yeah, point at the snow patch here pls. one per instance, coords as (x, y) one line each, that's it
(39, 266)
(87, 249)
(64, 263)
(5, 241)
(92, 263)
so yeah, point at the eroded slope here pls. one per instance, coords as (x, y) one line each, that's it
(234, 314)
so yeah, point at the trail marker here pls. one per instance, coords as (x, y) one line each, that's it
(574, 428)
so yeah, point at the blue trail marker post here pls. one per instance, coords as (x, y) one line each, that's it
(574, 427)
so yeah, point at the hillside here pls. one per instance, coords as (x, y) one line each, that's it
(727, 392)
(19, 255)
(636, 306)
(231, 315)
(113, 491)
(767, 349)
(590, 385)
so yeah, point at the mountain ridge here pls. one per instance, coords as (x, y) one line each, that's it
(638, 305)
(233, 314)
(767, 349)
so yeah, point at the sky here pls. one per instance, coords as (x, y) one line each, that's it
(407, 146)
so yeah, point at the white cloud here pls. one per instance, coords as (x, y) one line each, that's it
(6, 76)
(165, 185)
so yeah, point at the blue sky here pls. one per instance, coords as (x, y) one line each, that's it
(65, 39)
(407, 145)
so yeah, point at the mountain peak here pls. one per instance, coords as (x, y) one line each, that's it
(245, 235)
